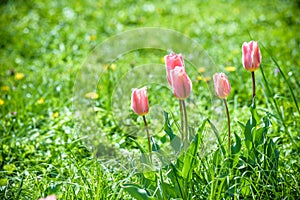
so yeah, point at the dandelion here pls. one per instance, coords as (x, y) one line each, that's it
(55, 115)
(19, 76)
(92, 37)
(205, 79)
(92, 95)
(201, 69)
(41, 100)
(1, 102)
(230, 68)
(5, 88)
(113, 67)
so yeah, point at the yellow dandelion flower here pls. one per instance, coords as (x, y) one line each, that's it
(92, 95)
(1, 102)
(230, 68)
(41, 100)
(19, 76)
(55, 115)
(201, 69)
(92, 37)
(236, 51)
(5, 88)
(113, 67)
(206, 79)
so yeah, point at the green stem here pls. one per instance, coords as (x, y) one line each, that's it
(186, 121)
(181, 120)
(149, 138)
(228, 121)
(253, 88)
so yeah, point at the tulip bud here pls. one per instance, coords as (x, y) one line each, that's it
(221, 85)
(181, 83)
(251, 56)
(139, 101)
(172, 60)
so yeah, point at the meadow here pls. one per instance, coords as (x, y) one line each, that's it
(68, 131)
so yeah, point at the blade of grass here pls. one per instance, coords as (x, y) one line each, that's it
(271, 95)
(284, 77)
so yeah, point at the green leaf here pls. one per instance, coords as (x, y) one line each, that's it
(237, 146)
(155, 146)
(169, 190)
(174, 139)
(190, 156)
(137, 192)
(250, 128)
(167, 127)
(10, 168)
(259, 136)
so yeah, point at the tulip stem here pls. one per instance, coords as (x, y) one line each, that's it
(149, 138)
(253, 87)
(186, 122)
(228, 121)
(181, 120)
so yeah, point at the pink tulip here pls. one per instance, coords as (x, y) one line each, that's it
(181, 83)
(221, 85)
(172, 60)
(139, 101)
(251, 56)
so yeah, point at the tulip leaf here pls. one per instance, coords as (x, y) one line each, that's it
(167, 127)
(237, 146)
(174, 139)
(190, 156)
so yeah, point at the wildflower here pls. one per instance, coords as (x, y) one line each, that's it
(113, 67)
(19, 76)
(92, 37)
(92, 95)
(201, 69)
(55, 115)
(230, 68)
(5, 88)
(41, 100)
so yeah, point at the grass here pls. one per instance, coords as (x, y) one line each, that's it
(43, 46)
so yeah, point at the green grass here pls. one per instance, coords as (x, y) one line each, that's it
(41, 148)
